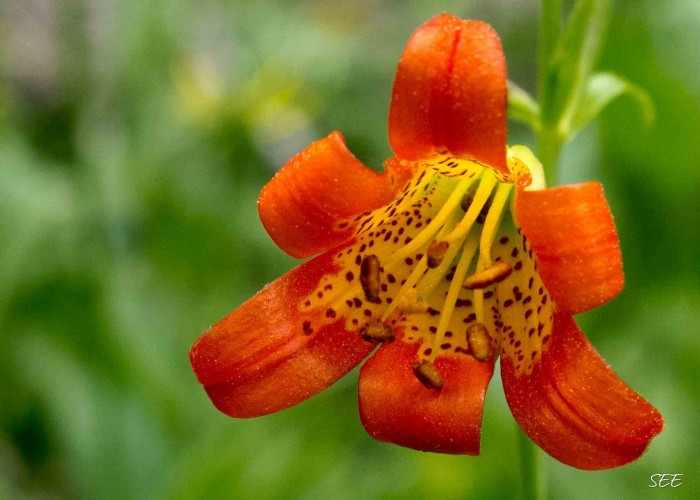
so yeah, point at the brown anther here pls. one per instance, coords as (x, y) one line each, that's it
(479, 341)
(378, 332)
(436, 252)
(495, 273)
(428, 375)
(369, 277)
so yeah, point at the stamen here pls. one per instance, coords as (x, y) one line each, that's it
(428, 279)
(453, 291)
(495, 273)
(487, 237)
(436, 252)
(479, 341)
(410, 282)
(493, 220)
(428, 375)
(435, 225)
(479, 305)
(483, 192)
(412, 262)
(369, 278)
(378, 332)
(433, 277)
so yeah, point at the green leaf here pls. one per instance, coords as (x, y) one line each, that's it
(601, 89)
(522, 107)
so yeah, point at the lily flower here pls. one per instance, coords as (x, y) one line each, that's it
(453, 257)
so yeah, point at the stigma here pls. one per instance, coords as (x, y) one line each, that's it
(444, 266)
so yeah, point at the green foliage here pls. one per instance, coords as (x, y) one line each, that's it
(573, 60)
(522, 107)
(570, 93)
(601, 89)
(134, 138)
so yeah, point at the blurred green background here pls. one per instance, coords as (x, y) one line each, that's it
(134, 139)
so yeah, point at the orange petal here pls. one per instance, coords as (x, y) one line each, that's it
(260, 358)
(396, 407)
(450, 93)
(302, 205)
(573, 234)
(576, 408)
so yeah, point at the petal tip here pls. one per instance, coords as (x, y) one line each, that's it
(576, 408)
(395, 407)
(306, 206)
(450, 93)
(572, 232)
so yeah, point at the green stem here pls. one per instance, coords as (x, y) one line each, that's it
(533, 486)
(550, 28)
(548, 141)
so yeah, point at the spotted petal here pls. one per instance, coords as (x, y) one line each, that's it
(396, 407)
(450, 93)
(302, 206)
(576, 408)
(263, 357)
(572, 232)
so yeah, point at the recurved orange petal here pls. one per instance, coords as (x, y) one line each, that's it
(302, 206)
(450, 93)
(573, 234)
(576, 408)
(396, 407)
(266, 355)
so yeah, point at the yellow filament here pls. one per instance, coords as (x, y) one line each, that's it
(410, 282)
(488, 234)
(479, 305)
(432, 277)
(488, 181)
(493, 219)
(453, 292)
(424, 237)
(419, 272)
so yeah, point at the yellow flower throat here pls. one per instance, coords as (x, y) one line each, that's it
(445, 266)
